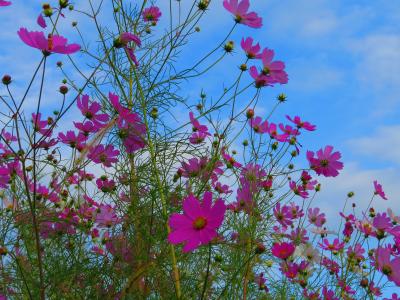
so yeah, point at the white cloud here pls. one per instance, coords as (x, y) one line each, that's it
(381, 145)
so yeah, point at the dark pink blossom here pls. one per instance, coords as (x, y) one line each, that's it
(252, 51)
(151, 14)
(239, 10)
(389, 267)
(258, 125)
(273, 69)
(301, 124)
(283, 250)
(326, 162)
(334, 247)
(132, 130)
(106, 185)
(92, 111)
(72, 139)
(199, 222)
(123, 41)
(260, 79)
(106, 217)
(106, 155)
(230, 160)
(379, 190)
(52, 44)
(4, 3)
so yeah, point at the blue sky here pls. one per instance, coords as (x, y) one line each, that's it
(342, 57)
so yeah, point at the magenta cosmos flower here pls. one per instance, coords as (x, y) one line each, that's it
(326, 162)
(282, 250)
(151, 14)
(4, 3)
(239, 10)
(389, 267)
(124, 40)
(274, 69)
(379, 190)
(199, 222)
(252, 51)
(106, 155)
(53, 44)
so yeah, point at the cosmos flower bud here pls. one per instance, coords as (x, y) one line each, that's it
(281, 97)
(59, 64)
(63, 89)
(63, 3)
(6, 79)
(203, 4)
(229, 46)
(245, 143)
(364, 282)
(47, 10)
(74, 23)
(154, 113)
(243, 67)
(260, 248)
(250, 113)
(350, 194)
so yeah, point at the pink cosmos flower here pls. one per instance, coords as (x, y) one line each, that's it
(389, 267)
(301, 124)
(4, 177)
(124, 39)
(394, 297)
(260, 79)
(4, 3)
(230, 160)
(196, 124)
(41, 21)
(106, 155)
(273, 132)
(221, 188)
(198, 137)
(247, 46)
(283, 215)
(86, 128)
(53, 44)
(273, 69)
(199, 222)
(379, 190)
(326, 162)
(258, 125)
(239, 10)
(40, 125)
(107, 216)
(132, 130)
(283, 250)
(356, 253)
(334, 247)
(151, 14)
(72, 139)
(91, 111)
(298, 190)
(105, 185)
(328, 294)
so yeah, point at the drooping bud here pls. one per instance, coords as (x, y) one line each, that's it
(6, 79)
